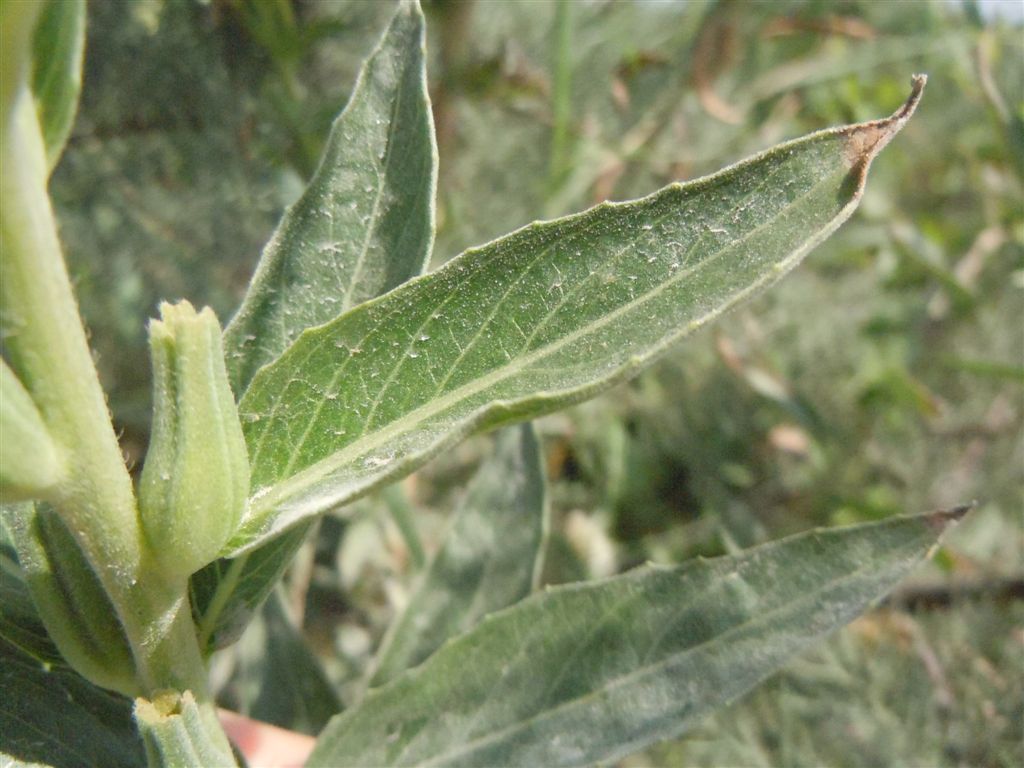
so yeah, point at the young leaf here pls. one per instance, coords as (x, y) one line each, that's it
(366, 221)
(549, 315)
(488, 561)
(69, 597)
(29, 462)
(51, 716)
(58, 44)
(20, 625)
(226, 594)
(591, 672)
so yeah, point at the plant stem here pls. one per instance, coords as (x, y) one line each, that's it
(176, 731)
(47, 347)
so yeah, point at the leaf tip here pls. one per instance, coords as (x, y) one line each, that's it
(941, 519)
(866, 140)
(917, 84)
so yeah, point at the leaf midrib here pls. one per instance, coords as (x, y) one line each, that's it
(357, 268)
(763, 617)
(269, 497)
(382, 176)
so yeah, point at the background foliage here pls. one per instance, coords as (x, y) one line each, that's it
(886, 375)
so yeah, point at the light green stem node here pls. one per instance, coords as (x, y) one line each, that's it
(196, 479)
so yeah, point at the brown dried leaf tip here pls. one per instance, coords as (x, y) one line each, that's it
(943, 518)
(866, 140)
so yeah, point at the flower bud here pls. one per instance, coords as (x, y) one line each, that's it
(196, 478)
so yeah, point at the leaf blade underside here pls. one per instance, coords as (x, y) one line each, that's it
(549, 315)
(58, 44)
(591, 672)
(365, 222)
(50, 715)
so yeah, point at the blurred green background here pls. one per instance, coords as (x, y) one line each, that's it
(886, 375)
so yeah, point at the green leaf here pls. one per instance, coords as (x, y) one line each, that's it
(29, 463)
(366, 221)
(226, 594)
(592, 672)
(364, 225)
(51, 716)
(276, 678)
(489, 560)
(20, 625)
(74, 607)
(58, 45)
(549, 315)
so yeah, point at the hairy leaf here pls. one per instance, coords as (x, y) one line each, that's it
(489, 559)
(20, 624)
(50, 715)
(547, 316)
(58, 45)
(365, 223)
(592, 672)
(70, 600)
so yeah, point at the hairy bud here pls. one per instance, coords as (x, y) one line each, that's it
(196, 478)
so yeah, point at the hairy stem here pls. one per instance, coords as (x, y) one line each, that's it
(47, 347)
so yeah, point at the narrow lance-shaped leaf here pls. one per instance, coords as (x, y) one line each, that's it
(489, 559)
(365, 223)
(58, 45)
(546, 316)
(592, 672)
